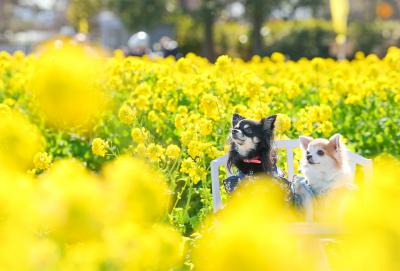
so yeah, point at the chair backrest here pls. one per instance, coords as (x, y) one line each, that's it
(289, 145)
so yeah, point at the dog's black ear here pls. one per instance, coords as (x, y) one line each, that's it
(236, 118)
(268, 123)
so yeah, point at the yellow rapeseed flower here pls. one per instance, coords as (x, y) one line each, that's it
(184, 65)
(42, 161)
(20, 140)
(180, 121)
(126, 114)
(282, 123)
(139, 135)
(131, 183)
(370, 224)
(99, 147)
(143, 90)
(66, 87)
(223, 63)
(209, 105)
(155, 152)
(173, 151)
(196, 173)
(205, 127)
(277, 57)
(251, 233)
(4, 109)
(72, 203)
(141, 103)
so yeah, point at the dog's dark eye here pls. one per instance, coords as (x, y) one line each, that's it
(320, 152)
(248, 130)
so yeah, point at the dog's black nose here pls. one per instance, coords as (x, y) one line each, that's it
(309, 157)
(235, 131)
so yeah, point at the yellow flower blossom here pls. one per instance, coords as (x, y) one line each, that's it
(153, 116)
(326, 128)
(66, 88)
(139, 135)
(184, 65)
(171, 106)
(195, 172)
(397, 98)
(278, 57)
(186, 165)
(223, 63)
(197, 148)
(187, 136)
(4, 109)
(282, 123)
(42, 161)
(209, 105)
(182, 109)
(141, 103)
(253, 219)
(126, 114)
(205, 127)
(20, 140)
(155, 152)
(173, 151)
(99, 147)
(143, 90)
(158, 104)
(180, 121)
(10, 102)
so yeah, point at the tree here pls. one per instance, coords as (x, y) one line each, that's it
(206, 12)
(82, 10)
(257, 11)
(139, 14)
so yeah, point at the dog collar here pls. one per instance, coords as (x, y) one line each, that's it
(254, 160)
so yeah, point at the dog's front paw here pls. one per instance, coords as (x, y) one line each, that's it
(231, 183)
(298, 186)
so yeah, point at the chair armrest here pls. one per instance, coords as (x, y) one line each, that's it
(215, 188)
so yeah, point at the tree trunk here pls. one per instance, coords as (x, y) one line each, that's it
(183, 5)
(208, 46)
(258, 13)
(256, 36)
(2, 16)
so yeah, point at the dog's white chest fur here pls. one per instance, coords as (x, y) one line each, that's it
(326, 177)
(247, 146)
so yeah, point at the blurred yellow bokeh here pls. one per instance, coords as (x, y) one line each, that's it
(20, 140)
(67, 85)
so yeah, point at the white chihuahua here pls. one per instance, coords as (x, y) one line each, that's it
(324, 164)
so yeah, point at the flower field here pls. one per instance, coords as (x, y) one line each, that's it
(104, 161)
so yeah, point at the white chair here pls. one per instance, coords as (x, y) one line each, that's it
(323, 232)
(289, 145)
